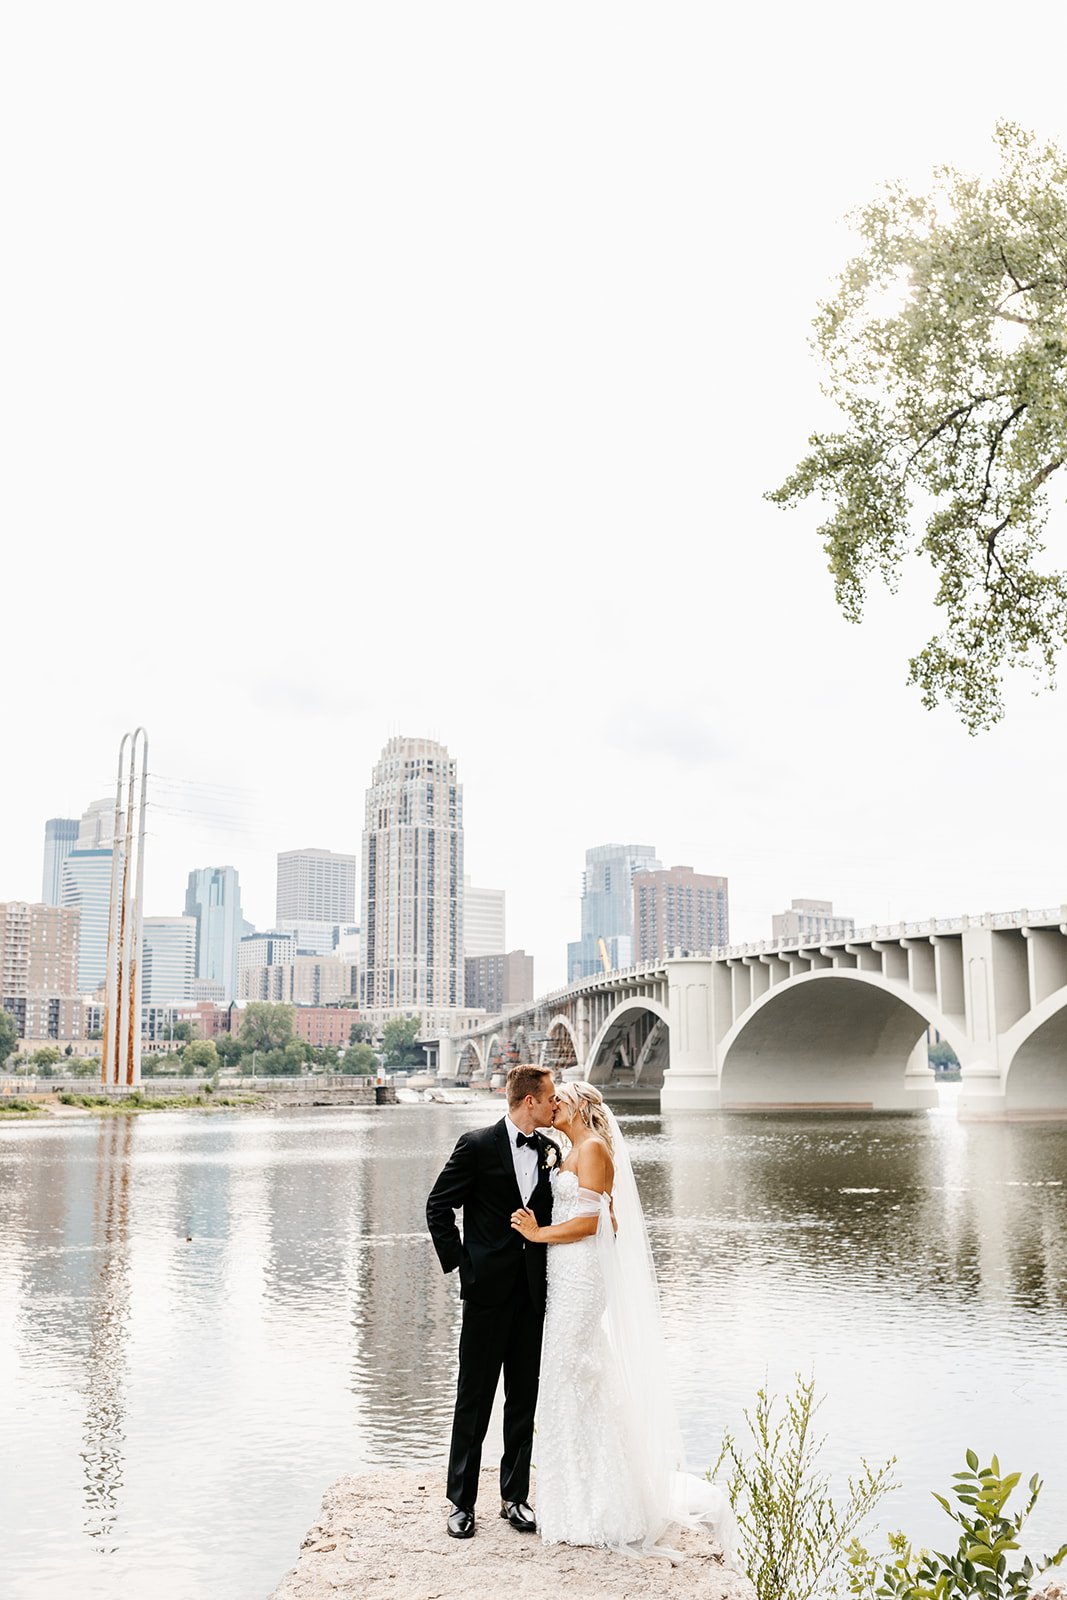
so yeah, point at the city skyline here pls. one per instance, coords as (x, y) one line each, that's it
(94, 828)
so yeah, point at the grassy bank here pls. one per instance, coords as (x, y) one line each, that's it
(142, 1102)
(19, 1108)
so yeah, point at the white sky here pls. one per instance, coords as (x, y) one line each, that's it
(420, 368)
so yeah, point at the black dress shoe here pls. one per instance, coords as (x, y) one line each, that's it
(519, 1514)
(461, 1523)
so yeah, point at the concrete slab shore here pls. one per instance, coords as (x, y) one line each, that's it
(381, 1536)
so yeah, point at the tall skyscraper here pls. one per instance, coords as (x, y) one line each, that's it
(483, 921)
(168, 959)
(97, 826)
(608, 908)
(39, 969)
(213, 897)
(315, 886)
(85, 882)
(679, 909)
(60, 836)
(412, 921)
(87, 886)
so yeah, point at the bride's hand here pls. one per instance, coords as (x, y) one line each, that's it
(524, 1222)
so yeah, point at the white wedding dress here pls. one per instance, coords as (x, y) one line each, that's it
(586, 1493)
(610, 1461)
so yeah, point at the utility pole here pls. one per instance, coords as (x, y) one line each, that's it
(120, 1057)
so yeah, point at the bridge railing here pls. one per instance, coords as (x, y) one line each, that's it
(620, 977)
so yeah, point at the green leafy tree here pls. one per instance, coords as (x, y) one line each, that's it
(955, 410)
(398, 1042)
(229, 1049)
(9, 1036)
(45, 1058)
(201, 1056)
(265, 1026)
(180, 1032)
(942, 1055)
(283, 1061)
(359, 1058)
(361, 1033)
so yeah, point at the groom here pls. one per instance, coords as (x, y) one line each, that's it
(491, 1172)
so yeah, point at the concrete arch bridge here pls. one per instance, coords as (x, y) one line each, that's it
(836, 1025)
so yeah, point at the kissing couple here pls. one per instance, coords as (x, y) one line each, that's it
(559, 1291)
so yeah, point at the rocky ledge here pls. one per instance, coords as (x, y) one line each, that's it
(381, 1536)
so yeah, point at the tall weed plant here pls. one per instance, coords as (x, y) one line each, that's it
(795, 1540)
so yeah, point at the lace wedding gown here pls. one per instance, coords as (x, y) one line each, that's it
(610, 1461)
(586, 1491)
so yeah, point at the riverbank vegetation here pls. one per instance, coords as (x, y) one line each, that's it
(265, 1046)
(141, 1102)
(798, 1543)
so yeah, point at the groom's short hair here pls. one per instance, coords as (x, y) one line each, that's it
(526, 1080)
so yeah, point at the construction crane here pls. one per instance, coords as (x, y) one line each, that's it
(604, 955)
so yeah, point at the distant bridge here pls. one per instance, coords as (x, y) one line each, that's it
(790, 1024)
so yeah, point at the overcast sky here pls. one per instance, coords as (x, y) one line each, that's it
(421, 368)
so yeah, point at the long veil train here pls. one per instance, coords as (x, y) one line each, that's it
(669, 1494)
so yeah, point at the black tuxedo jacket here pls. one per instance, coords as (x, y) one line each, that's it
(479, 1179)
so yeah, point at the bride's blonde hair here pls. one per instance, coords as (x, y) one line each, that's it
(588, 1102)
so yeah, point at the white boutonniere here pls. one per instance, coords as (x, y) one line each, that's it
(551, 1155)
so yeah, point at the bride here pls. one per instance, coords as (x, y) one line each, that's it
(610, 1469)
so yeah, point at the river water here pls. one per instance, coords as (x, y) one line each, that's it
(205, 1319)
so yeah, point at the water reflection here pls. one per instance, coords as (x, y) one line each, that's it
(406, 1312)
(105, 1332)
(199, 1313)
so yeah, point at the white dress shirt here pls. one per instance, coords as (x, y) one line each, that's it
(525, 1160)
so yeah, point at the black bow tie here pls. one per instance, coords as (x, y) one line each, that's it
(526, 1138)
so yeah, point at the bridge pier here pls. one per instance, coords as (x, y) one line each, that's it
(691, 1082)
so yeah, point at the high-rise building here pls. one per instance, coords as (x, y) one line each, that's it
(60, 837)
(312, 938)
(608, 908)
(262, 950)
(168, 960)
(412, 914)
(85, 882)
(39, 969)
(213, 897)
(97, 826)
(86, 887)
(811, 920)
(495, 982)
(679, 909)
(303, 981)
(483, 921)
(315, 886)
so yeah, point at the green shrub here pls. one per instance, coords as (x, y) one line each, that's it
(979, 1565)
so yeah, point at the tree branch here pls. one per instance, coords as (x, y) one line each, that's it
(960, 411)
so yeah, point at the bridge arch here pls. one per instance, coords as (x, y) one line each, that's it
(648, 1045)
(493, 1053)
(833, 1037)
(469, 1059)
(560, 1048)
(1035, 1074)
